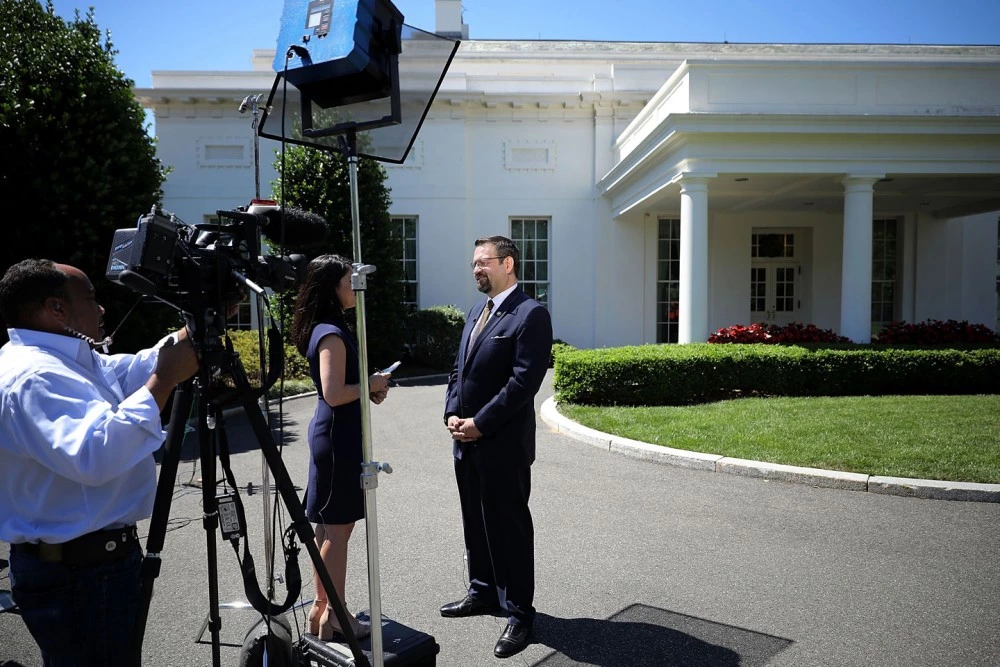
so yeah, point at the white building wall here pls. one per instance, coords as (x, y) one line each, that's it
(432, 185)
(469, 178)
(753, 86)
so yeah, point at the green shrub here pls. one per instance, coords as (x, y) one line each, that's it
(246, 344)
(558, 346)
(697, 373)
(432, 335)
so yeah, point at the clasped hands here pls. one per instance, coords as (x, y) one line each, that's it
(463, 430)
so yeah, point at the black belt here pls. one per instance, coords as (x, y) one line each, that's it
(97, 547)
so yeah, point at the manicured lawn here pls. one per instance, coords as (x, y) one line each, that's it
(953, 438)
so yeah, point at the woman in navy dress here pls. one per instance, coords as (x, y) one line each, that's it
(334, 499)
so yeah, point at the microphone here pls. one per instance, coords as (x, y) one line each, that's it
(137, 282)
(102, 344)
(301, 228)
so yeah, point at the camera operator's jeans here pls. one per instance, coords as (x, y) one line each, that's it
(78, 615)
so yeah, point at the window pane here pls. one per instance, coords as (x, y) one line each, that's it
(529, 235)
(771, 245)
(405, 233)
(542, 293)
(667, 274)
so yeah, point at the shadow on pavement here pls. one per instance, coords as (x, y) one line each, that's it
(642, 635)
(239, 435)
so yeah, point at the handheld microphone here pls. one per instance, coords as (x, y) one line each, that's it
(301, 228)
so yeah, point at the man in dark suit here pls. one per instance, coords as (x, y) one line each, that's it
(490, 414)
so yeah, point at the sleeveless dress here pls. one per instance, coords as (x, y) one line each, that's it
(334, 494)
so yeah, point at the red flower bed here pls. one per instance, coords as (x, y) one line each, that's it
(774, 334)
(936, 332)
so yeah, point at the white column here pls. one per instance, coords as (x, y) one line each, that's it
(692, 321)
(856, 269)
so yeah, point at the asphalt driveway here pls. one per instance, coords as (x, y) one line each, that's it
(637, 563)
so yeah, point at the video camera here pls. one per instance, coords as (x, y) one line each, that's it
(212, 264)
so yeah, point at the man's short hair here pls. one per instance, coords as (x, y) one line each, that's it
(25, 287)
(505, 248)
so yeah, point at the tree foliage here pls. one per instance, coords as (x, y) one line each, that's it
(76, 154)
(318, 180)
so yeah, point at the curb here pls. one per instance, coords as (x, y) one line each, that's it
(831, 479)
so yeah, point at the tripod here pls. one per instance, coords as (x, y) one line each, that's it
(216, 360)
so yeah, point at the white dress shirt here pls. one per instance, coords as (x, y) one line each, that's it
(497, 300)
(77, 435)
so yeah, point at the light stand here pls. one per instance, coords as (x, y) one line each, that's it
(345, 55)
(369, 468)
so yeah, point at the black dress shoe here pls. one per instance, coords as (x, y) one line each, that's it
(513, 640)
(467, 606)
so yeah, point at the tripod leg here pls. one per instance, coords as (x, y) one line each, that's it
(303, 529)
(210, 519)
(183, 399)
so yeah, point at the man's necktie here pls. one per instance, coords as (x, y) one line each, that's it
(481, 323)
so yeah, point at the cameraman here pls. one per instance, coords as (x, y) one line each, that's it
(77, 435)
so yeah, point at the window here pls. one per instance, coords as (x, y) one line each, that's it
(531, 235)
(668, 279)
(404, 228)
(772, 245)
(243, 319)
(884, 242)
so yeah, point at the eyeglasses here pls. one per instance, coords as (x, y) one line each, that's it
(481, 262)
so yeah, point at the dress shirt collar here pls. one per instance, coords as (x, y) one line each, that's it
(67, 346)
(499, 298)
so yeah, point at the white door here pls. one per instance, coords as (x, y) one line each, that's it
(775, 276)
(774, 292)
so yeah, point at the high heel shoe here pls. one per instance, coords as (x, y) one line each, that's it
(315, 617)
(329, 628)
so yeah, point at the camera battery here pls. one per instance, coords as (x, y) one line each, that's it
(230, 521)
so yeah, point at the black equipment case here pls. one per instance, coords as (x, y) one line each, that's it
(401, 647)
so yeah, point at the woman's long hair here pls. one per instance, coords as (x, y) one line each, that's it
(317, 300)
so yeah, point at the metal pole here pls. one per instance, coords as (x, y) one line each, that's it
(370, 470)
(253, 101)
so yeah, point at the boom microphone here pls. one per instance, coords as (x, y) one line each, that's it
(302, 229)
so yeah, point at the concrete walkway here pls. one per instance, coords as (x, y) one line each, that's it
(637, 563)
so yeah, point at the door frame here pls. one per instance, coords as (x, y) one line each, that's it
(800, 260)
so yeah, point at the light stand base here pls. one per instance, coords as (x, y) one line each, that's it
(223, 606)
(402, 647)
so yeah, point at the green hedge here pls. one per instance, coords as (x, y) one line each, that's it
(701, 372)
(432, 335)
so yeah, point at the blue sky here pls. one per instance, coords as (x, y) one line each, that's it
(221, 34)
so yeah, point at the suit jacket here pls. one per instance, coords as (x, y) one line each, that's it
(495, 381)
